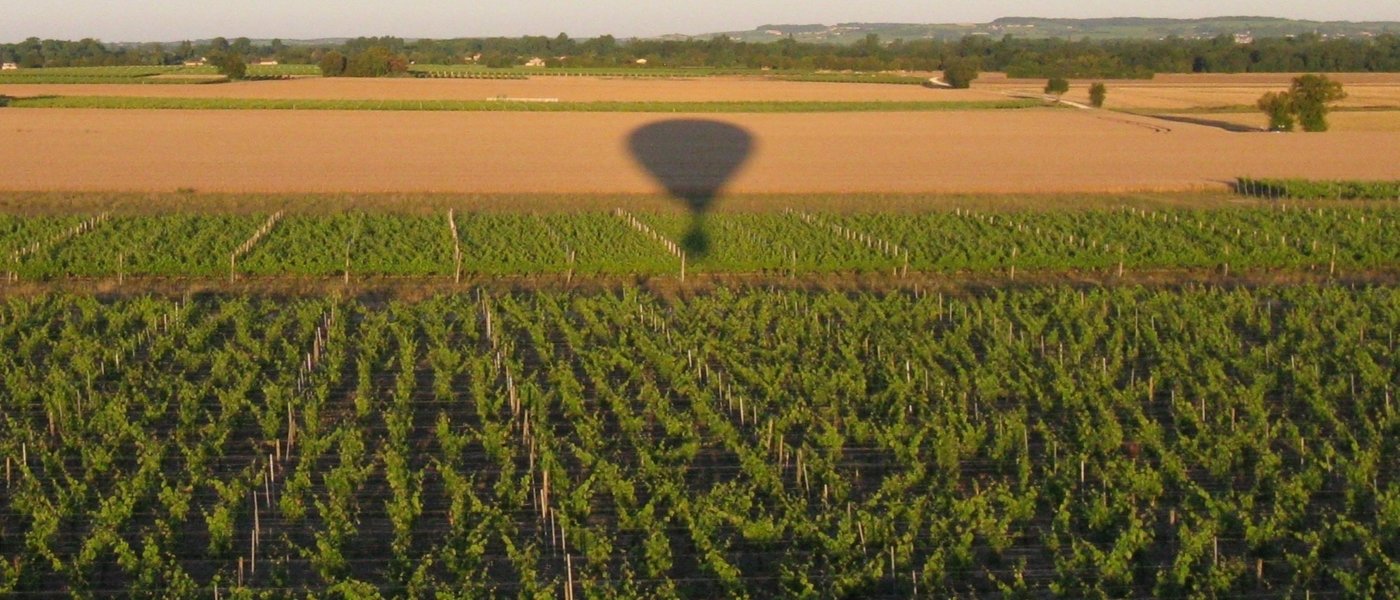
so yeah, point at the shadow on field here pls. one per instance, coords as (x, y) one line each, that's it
(693, 159)
(1218, 124)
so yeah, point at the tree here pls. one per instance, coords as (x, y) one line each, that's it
(959, 73)
(332, 64)
(231, 65)
(1057, 86)
(377, 61)
(1097, 94)
(1279, 107)
(1311, 94)
(1305, 102)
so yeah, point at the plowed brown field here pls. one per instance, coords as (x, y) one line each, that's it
(1177, 92)
(1039, 150)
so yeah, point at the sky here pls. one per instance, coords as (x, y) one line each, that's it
(173, 20)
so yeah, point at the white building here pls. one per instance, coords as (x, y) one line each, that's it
(9, 67)
(535, 62)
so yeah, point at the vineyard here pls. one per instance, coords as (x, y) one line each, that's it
(1309, 189)
(1109, 443)
(90, 75)
(1321, 240)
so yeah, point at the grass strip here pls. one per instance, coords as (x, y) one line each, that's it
(1308, 189)
(117, 102)
(1243, 109)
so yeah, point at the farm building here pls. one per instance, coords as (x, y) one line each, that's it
(196, 62)
(267, 63)
(535, 62)
(9, 67)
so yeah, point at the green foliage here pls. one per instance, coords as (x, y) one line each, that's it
(741, 106)
(1098, 93)
(734, 442)
(333, 64)
(1057, 86)
(595, 243)
(1306, 103)
(377, 61)
(1311, 95)
(230, 64)
(1112, 56)
(960, 73)
(1279, 108)
(1313, 189)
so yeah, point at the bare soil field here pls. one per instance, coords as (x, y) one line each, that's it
(1383, 121)
(1181, 92)
(566, 89)
(1027, 151)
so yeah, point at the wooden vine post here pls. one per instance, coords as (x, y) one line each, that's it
(671, 246)
(880, 245)
(248, 245)
(456, 246)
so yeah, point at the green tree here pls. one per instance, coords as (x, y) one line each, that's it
(1097, 94)
(332, 64)
(377, 61)
(1057, 86)
(1279, 108)
(960, 73)
(230, 64)
(1311, 95)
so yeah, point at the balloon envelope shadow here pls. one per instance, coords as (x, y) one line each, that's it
(693, 159)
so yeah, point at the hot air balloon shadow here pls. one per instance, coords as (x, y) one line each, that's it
(693, 159)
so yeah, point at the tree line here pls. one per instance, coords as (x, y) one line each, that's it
(1018, 57)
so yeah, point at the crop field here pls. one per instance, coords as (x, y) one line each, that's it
(306, 337)
(796, 242)
(505, 104)
(1114, 442)
(1344, 121)
(570, 89)
(1027, 151)
(1168, 92)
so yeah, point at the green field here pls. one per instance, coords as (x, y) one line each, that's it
(1317, 240)
(507, 105)
(1311, 189)
(1101, 443)
(1165, 396)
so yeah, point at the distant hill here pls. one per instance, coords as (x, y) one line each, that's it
(1102, 29)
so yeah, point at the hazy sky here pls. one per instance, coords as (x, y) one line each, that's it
(171, 20)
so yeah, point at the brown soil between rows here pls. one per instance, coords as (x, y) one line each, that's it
(1026, 151)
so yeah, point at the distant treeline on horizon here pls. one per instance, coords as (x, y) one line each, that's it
(1017, 57)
